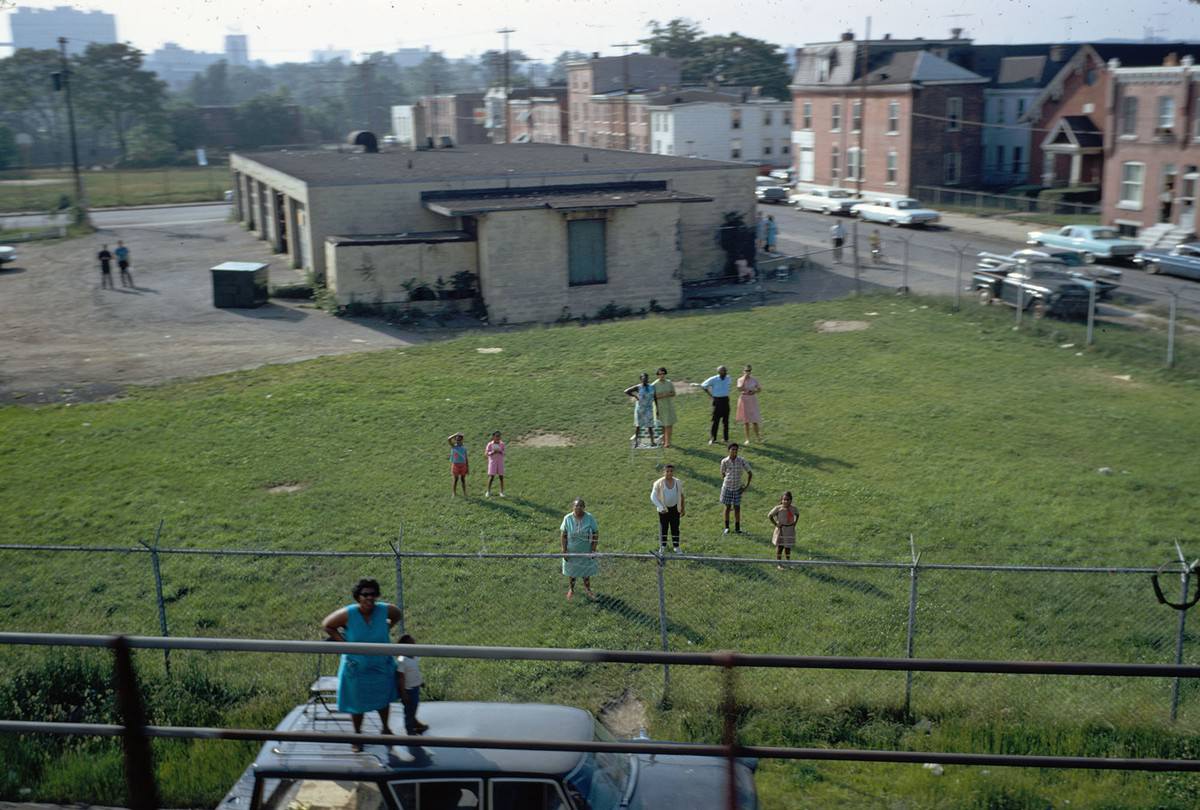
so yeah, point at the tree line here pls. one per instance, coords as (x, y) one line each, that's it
(127, 116)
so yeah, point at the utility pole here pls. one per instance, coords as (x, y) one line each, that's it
(80, 203)
(625, 46)
(504, 111)
(862, 107)
(364, 68)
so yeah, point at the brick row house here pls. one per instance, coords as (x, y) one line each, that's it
(912, 123)
(1152, 170)
(532, 115)
(607, 98)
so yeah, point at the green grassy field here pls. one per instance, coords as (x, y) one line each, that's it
(113, 187)
(982, 443)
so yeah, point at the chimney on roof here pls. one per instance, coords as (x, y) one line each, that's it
(1114, 63)
(848, 36)
(887, 37)
(1058, 53)
(1171, 60)
(956, 33)
(1188, 60)
(595, 54)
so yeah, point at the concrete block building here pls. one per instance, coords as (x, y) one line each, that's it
(546, 231)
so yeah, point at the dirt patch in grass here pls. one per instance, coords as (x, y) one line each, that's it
(625, 716)
(842, 326)
(489, 350)
(542, 438)
(287, 488)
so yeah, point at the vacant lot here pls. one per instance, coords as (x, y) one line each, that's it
(42, 189)
(983, 444)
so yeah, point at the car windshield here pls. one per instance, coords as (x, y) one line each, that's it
(905, 204)
(1104, 233)
(1044, 270)
(601, 779)
(840, 194)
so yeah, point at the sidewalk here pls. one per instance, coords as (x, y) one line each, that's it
(995, 227)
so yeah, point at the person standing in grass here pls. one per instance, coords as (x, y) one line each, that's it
(783, 518)
(717, 388)
(458, 463)
(408, 685)
(495, 463)
(747, 406)
(579, 534)
(366, 683)
(643, 408)
(667, 496)
(732, 469)
(664, 404)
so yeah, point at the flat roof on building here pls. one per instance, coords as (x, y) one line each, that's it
(471, 162)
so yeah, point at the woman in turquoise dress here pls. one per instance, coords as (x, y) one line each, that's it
(366, 683)
(643, 408)
(579, 534)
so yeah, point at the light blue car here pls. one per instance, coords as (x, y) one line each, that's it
(1090, 241)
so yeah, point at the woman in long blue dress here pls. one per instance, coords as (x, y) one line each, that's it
(366, 683)
(579, 534)
(643, 408)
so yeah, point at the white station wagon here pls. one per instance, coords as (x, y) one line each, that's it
(902, 211)
(825, 200)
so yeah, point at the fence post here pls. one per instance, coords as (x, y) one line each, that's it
(729, 729)
(912, 623)
(399, 576)
(961, 250)
(139, 760)
(854, 247)
(1020, 303)
(1091, 322)
(1185, 581)
(1171, 331)
(661, 563)
(158, 590)
(904, 283)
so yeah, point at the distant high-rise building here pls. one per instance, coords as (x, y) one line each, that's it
(40, 28)
(237, 50)
(176, 65)
(410, 57)
(330, 54)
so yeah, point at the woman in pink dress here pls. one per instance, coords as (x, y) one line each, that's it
(495, 459)
(747, 406)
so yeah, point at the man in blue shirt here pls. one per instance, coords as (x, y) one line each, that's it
(717, 388)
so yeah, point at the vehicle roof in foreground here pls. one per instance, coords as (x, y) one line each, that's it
(527, 721)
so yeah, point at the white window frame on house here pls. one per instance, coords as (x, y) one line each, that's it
(835, 163)
(735, 119)
(854, 164)
(1166, 114)
(1132, 188)
(787, 117)
(1129, 111)
(856, 115)
(806, 170)
(768, 147)
(893, 168)
(998, 110)
(805, 115)
(766, 118)
(785, 148)
(952, 169)
(735, 149)
(954, 112)
(893, 118)
(835, 117)
(1020, 109)
(1017, 159)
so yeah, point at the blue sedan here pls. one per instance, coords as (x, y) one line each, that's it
(1181, 260)
(1090, 241)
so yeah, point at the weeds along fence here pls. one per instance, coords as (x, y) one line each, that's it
(1152, 322)
(669, 602)
(983, 203)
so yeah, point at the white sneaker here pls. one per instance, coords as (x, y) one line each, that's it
(487, 494)
(726, 530)
(501, 494)
(677, 550)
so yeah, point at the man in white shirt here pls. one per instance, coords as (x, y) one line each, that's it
(717, 388)
(838, 235)
(667, 496)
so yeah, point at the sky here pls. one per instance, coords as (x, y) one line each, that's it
(289, 30)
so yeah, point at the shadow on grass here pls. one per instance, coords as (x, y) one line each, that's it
(756, 573)
(690, 472)
(535, 507)
(614, 604)
(858, 586)
(790, 455)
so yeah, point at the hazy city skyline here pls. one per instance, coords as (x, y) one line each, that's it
(289, 30)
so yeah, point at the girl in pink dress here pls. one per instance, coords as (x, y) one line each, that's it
(495, 460)
(747, 406)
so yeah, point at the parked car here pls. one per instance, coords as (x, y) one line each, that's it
(1106, 279)
(1181, 260)
(1038, 287)
(769, 190)
(7, 254)
(826, 200)
(902, 211)
(310, 774)
(1091, 241)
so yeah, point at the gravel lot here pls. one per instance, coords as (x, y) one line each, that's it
(64, 339)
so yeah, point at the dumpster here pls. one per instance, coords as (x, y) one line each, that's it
(239, 285)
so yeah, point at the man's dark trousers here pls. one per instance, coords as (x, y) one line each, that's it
(668, 519)
(720, 414)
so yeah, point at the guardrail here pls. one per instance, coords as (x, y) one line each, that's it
(136, 733)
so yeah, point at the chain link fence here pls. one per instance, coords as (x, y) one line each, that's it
(982, 203)
(38, 191)
(663, 602)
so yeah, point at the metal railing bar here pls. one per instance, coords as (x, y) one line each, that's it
(666, 748)
(716, 659)
(1063, 569)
